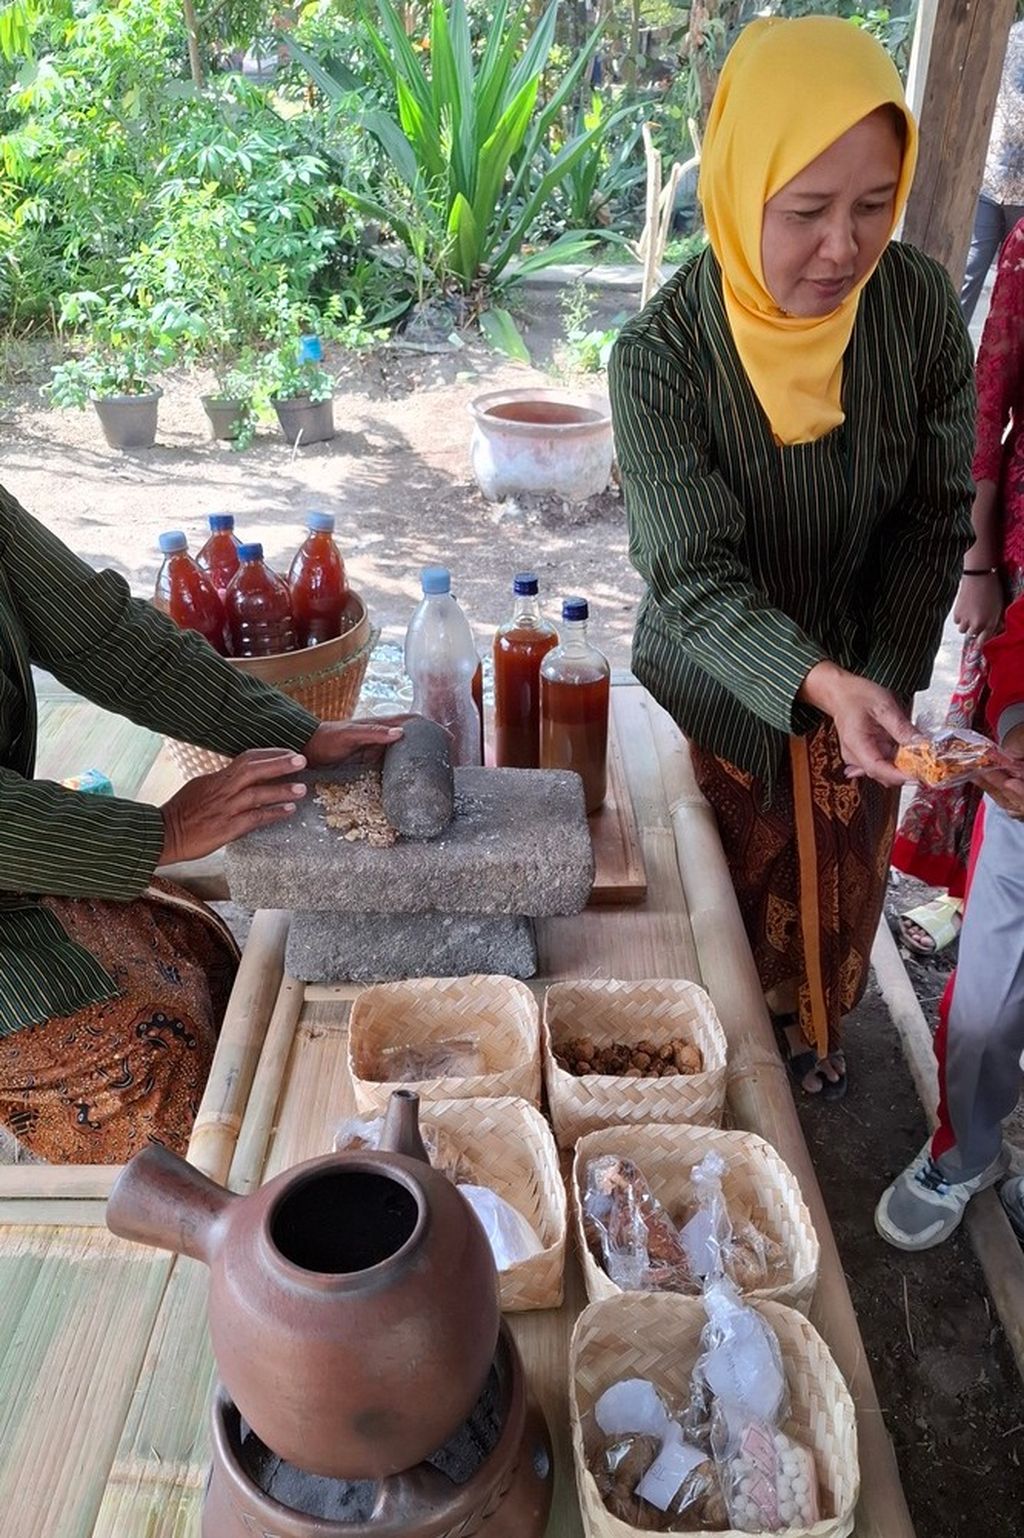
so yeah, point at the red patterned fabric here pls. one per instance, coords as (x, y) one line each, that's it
(934, 838)
(1004, 655)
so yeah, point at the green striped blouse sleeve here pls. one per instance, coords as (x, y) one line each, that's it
(63, 844)
(685, 531)
(85, 627)
(931, 524)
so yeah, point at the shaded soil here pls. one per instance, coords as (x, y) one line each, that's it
(946, 1378)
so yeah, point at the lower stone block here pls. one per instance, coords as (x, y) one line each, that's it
(381, 948)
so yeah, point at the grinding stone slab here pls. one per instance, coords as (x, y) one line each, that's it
(519, 844)
(382, 948)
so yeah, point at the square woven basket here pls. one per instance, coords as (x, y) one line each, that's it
(657, 1010)
(657, 1336)
(755, 1175)
(498, 1013)
(510, 1146)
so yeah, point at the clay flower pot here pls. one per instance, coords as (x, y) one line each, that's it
(353, 1300)
(225, 415)
(304, 421)
(128, 421)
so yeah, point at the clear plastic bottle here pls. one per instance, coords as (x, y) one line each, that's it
(575, 680)
(318, 584)
(441, 659)
(219, 556)
(519, 648)
(186, 593)
(259, 608)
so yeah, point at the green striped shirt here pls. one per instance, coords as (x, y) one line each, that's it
(761, 560)
(86, 628)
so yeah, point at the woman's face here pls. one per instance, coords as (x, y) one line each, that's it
(824, 231)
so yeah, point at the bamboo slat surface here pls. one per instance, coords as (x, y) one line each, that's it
(103, 1347)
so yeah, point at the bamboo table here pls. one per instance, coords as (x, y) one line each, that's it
(105, 1365)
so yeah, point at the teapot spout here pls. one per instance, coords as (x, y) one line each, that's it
(161, 1200)
(401, 1131)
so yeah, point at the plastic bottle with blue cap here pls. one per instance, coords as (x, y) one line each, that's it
(259, 607)
(219, 556)
(318, 584)
(575, 681)
(441, 660)
(186, 594)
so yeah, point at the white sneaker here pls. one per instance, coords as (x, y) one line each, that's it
(922, 1207)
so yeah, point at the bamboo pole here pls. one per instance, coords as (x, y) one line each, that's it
(761, 1101)
(57, 1182)
(987, 1225)
(257, 1125)
(241, 1039)
(650, 235)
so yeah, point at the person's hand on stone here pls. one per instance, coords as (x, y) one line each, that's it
(335, 741)
(214, 809)
(870, 721)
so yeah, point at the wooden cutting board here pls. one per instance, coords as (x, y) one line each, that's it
(621, 876)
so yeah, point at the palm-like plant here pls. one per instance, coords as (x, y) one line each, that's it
(465, 138)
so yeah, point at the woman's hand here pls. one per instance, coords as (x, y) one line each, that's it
(870, 721)
(213, 809)
(978, 611)
(1005, 786)
(334, 741)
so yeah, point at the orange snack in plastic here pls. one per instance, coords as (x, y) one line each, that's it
(943, 759)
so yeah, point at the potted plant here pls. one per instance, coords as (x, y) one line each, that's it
(231, 409)
(301, 391)
(128, 345)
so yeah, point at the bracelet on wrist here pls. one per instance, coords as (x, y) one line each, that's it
(980, 571)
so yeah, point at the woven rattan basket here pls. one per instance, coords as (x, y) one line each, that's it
(497, 1013)
(510, 1147)
(755, 1177)
(655, 1010)
(324, 679)
(657, 1336)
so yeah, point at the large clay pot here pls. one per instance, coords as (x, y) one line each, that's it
(541, 442)
(509, 1495)
(353, 1300)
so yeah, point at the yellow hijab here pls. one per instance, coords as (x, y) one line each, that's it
(788, 90)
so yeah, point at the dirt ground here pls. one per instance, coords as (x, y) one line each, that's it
(397, 476)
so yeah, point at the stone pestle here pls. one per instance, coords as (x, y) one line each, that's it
(417, 781)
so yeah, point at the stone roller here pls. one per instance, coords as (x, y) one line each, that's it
(417, 781)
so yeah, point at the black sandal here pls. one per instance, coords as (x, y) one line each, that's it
(799, 1065)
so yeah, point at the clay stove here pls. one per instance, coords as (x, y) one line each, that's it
(368, 1386)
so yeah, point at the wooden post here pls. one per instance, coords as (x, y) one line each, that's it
(968, 46)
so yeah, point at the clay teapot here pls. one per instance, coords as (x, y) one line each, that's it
(353, 1302)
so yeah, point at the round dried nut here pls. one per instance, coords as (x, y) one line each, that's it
(642, 1060)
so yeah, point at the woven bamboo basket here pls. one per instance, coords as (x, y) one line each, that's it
(657, 1336)
(653, 1010)
(325, 680)
(497, 1013)
(755, 1178)
(510, 1147)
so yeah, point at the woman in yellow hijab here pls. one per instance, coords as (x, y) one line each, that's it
(794, 424)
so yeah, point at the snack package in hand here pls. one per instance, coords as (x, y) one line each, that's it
(948, 757)
(769, 1481)
(460, 1059)
(630, 1232)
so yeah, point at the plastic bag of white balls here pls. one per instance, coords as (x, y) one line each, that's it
(768, 1480)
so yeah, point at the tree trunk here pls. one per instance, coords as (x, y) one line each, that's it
(195, 56)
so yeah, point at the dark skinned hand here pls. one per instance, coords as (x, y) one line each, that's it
(258, 788)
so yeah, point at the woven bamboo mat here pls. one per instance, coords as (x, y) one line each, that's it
(76, 1310)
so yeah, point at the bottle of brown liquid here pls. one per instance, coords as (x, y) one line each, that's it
(575, 681)
(520, 646)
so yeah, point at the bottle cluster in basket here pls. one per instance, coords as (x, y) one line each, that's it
(231, 596)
